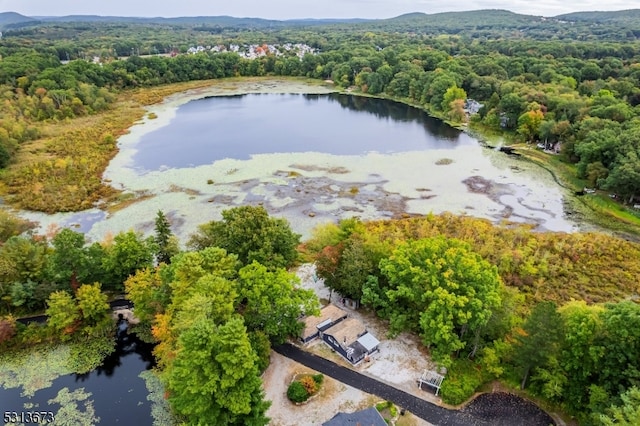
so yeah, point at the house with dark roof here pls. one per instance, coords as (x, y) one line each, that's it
(368, 417)
(350, 339)
(314, 325)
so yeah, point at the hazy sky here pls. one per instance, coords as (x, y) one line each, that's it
(287, 9)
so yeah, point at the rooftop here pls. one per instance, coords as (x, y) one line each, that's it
(329, 312)
(347, 331)
(368, 417)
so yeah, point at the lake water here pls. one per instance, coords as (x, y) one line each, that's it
(309, 158)
(238, 127)
(112, 394)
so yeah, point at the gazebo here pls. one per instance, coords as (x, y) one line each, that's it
(431, 378)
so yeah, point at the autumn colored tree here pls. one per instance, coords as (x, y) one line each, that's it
(529, 124)
(62, 312)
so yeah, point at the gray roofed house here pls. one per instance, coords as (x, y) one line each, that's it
(368, 417)
(350, 339)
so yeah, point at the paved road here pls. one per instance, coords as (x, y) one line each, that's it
(432, 413)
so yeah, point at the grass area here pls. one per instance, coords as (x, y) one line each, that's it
(604, 211)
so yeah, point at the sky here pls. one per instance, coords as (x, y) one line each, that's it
(292, 9)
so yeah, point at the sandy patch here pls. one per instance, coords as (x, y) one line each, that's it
(334, 397)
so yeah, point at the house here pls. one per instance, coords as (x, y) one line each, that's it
(368, 417)
(329, 315)
(350, 339)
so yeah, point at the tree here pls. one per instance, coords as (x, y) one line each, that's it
(270, 301)
(529, 124)
(251, 234)
(618, 367)
(149, 292)
(626, 414)
(7, 329)
(68, 262)
(166, 243)
(128, 254)
(453, 93)
(442, 289)
(62, 312)
(92, 303)
(624, 177)
(580, 355)
(214, 376)
(538, 339)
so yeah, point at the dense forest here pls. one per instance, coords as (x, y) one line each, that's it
(555, 314)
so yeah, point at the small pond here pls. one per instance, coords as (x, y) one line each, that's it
(114, 393)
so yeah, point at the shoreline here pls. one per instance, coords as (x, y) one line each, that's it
(311, 188)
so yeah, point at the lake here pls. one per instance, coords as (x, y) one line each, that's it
(238, 127)
(114, 393)
(310, 156)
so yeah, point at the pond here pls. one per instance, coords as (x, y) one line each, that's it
(114, 393)
(240, 126)
(310, 156)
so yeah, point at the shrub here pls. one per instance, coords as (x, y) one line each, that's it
(461, 382)
(318, 378)
(7, 329)
(309, 384)
(297, 392)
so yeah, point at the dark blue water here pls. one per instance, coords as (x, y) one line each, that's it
(119, 396)
(215, 128)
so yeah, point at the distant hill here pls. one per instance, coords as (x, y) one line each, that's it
(620, 16)
(219, 21)
(486, 23)
(455, 22)
(13, 19)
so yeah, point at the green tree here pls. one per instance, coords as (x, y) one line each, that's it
(92, 303)
(453, 93)
(624, 177)
(580, 354)
(539, 339)
(68, 263)
(271, 301)
(251, 234)
(166, 243)
(215, 376)
(128, 254)
(62, 312)
(442, 289)
(625, 414)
